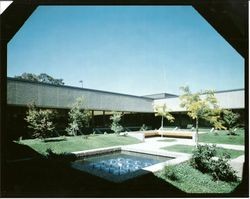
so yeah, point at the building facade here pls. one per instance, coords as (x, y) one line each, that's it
(137, 110)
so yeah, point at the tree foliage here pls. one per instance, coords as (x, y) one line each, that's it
(43, 77)
(115, 125)
(201, 105)
(78, 118)
(230, 120)
(163, 111)
(40, 121)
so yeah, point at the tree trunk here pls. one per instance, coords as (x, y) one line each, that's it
(161, 126)
(196, 132)
(161, 122)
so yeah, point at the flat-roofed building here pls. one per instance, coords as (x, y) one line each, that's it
(160, 96)
(228, 99)
(21, 93)
(137, 110)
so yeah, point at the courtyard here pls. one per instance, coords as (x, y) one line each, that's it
(105, 109)
(51, 171)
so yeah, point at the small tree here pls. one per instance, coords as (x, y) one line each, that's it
(230, 120)
(163, 111)
(78, 118)
(201, 105)
(40, 121)
(115, 126)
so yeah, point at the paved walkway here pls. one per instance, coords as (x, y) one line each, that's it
(158, 142)
(155, 144)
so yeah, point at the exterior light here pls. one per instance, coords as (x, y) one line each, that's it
(81, 83)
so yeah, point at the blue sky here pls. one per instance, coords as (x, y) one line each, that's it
(127, 49)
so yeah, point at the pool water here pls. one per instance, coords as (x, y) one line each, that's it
(118, 166)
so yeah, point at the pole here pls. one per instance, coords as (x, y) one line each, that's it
(81, 83)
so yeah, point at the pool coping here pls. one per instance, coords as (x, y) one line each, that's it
(177, 157)
(96, 151)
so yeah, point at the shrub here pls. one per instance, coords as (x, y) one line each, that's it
(115, 126)
(203, 160)
(221, 170)
(170, 173)
(201, 157)
(40, 121)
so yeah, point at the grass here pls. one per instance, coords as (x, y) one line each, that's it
(189, 149)
(78, 143)
(191, 180)
(222, 137)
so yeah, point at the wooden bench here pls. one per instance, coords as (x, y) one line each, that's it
(177, 134)
(150, 133)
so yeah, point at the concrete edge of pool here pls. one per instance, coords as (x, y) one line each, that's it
(177, 158)
(96, 151)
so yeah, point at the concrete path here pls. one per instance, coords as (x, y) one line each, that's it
(155, 144)
(158, 142)
(237, 165)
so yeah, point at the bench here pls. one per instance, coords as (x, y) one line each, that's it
(177, 134)
(150, 133)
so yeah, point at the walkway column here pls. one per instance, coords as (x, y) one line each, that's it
(93, 118)
(122, 119)
(103, 118)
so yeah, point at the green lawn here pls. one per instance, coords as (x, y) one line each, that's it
(189, 149)
(222, 137)
(191, 180)
(79, 143)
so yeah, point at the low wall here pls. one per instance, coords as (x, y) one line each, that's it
(177, 133)
(141, 135)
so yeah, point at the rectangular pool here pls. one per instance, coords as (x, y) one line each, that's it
(118, 166)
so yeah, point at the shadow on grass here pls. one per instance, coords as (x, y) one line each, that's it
(19, 151)
(55, 140)
(44, 179)
(52, 176)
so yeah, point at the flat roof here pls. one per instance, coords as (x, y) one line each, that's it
(149, 96)
(74, 87)
(160, 95)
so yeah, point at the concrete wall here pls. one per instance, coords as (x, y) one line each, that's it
(21, 93)
(234, 99)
